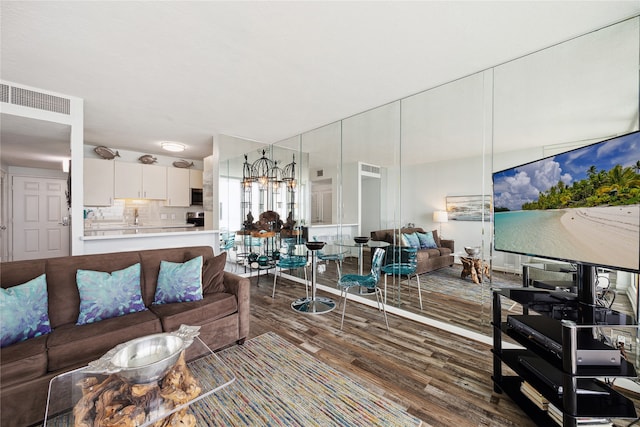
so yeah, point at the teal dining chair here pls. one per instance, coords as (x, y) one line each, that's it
(369, 281)
(328, 257)
(288, 260)
(401, 261)
(227, 243)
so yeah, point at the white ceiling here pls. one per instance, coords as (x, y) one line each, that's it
(264, 71)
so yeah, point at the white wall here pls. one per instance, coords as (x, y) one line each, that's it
(425, 188)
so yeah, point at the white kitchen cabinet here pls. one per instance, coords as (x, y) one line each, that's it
(154, 182)
(178, 190)
(195, 178)
(138, 181)
(128, 180)
(98, 182)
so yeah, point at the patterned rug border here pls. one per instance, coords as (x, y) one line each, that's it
(279, 384)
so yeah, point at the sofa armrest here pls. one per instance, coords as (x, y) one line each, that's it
(447, 244)
(241, 288)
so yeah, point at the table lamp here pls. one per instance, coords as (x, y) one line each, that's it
(440, 217)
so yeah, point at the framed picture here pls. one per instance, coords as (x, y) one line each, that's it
(469, 208)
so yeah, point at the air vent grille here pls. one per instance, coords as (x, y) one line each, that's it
(371, 169)
(40, 101)
(320, 173)
(4, 93)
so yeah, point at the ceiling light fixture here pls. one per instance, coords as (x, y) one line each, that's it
(174, 147)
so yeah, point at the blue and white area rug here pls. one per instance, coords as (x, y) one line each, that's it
(278, 384)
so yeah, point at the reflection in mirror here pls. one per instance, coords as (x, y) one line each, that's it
(442, 169)
(576, 93)
(236, 199)
(397, 164)
(370, 164)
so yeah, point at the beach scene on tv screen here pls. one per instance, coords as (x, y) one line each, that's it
(582, 205)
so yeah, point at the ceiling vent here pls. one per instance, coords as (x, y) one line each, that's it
(320, 173)
(32, 99)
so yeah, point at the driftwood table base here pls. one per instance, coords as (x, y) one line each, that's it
(475, 268)
(114, 402)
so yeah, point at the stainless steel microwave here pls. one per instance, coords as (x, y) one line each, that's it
(196, 197)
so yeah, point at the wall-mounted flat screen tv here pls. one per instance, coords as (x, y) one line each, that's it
(581, 206)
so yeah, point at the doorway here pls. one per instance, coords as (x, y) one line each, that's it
(370, 204)
(40, 218)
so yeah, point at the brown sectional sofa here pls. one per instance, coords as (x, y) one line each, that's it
(27, 367)
(428, 259)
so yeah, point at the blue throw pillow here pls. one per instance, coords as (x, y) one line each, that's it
(106, 295)
(412, 240)
(426, 240)
(24, 311)
(179, 282)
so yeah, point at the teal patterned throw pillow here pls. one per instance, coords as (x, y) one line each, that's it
(179, 282)
(24, 311)
(426, 240)
(412, 240)
(106, 295)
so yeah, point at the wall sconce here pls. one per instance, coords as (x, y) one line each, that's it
(440, 217)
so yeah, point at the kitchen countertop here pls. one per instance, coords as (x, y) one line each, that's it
(106, 226)
(117, 231)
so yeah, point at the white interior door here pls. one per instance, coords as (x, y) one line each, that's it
(40, 218)
(4, 241)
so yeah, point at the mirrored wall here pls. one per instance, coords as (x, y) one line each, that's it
(396, 165)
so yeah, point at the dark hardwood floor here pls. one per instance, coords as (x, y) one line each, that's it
(442, 378)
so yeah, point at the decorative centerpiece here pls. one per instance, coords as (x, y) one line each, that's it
(139, 381)
(361, 240)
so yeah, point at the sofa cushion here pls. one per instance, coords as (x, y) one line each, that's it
(70, 344)
(426, 240)
(212, 272)
(179, 281)
(445, 251)
(16, 272)
(106, 295)
(211, 307)
(411, 240)
(24, 361)
(151, 265)
(433, 253)
(436, 237)
(24, 311)
(64, 297)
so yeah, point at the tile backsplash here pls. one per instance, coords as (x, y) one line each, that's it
(150, 212)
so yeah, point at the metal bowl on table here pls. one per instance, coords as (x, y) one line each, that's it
(472, 251)
(146, 359)
(314, 246)
(361, 240)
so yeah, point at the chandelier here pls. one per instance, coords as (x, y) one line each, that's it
(267, 173)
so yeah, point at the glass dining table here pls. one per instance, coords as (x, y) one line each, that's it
(315, 304)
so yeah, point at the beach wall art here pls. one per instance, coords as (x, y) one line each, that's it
(469, 208)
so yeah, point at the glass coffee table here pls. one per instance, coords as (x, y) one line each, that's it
(84, 397)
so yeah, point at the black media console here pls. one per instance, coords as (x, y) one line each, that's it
(563, 354)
